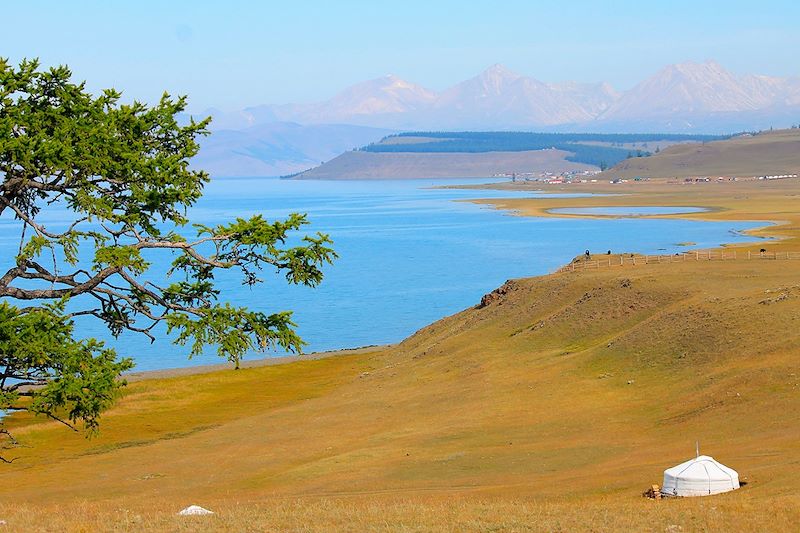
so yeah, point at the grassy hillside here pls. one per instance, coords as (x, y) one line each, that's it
(763, 154)
(487, 154)
(589, 148)
(552, 407)
(369, 165)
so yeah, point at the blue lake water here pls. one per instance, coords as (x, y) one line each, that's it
(628, 211)
(409, 255)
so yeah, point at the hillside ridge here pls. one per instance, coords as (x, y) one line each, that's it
(763, 154)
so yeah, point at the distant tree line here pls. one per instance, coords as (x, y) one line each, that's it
(517, 141)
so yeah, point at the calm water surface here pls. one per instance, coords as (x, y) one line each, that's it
(409, 255)
(628, 211)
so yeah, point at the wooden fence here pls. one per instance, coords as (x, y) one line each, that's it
(633, 259)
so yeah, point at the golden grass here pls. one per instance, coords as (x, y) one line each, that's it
(723, 513)
(769, 153)
(550, 409)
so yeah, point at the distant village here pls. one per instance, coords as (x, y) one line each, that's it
(590, 176)
(583, 176)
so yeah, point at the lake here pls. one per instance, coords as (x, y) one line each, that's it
(409, 255)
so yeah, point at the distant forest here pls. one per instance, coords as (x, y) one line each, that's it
(518, 141)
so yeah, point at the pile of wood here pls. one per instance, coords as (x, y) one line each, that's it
(653, 493)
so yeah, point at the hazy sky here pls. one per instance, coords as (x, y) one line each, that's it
(235, 53)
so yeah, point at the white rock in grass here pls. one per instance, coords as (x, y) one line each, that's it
(194, 510)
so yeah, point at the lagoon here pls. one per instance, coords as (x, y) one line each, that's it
(410, 254)
(628, 211)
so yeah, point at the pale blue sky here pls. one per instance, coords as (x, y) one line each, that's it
(236, 53)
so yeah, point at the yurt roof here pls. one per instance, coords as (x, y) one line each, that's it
(701, 467)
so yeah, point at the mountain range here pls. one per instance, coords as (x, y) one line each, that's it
(688, 97)
(701, 97)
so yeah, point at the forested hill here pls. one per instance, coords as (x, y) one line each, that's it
(598, 149)
(475, 154)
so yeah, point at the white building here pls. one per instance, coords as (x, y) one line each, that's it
(700, 476)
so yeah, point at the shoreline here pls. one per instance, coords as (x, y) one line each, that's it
(719, 205)
(647, 195)
(167, 373)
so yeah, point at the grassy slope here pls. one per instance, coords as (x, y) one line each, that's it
(518, 414)
(526, 398)
(380, 165)
(767, 153)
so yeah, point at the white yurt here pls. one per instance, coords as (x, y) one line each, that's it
(700, 476)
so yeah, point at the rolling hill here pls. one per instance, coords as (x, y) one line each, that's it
(486, 154)
(554, 402)
(410, 165)
(767, 153)
(579, 387)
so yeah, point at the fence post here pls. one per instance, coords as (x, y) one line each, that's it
(709, 256)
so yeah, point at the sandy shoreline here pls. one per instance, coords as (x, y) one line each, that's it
(254, 363)
(731, 201)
